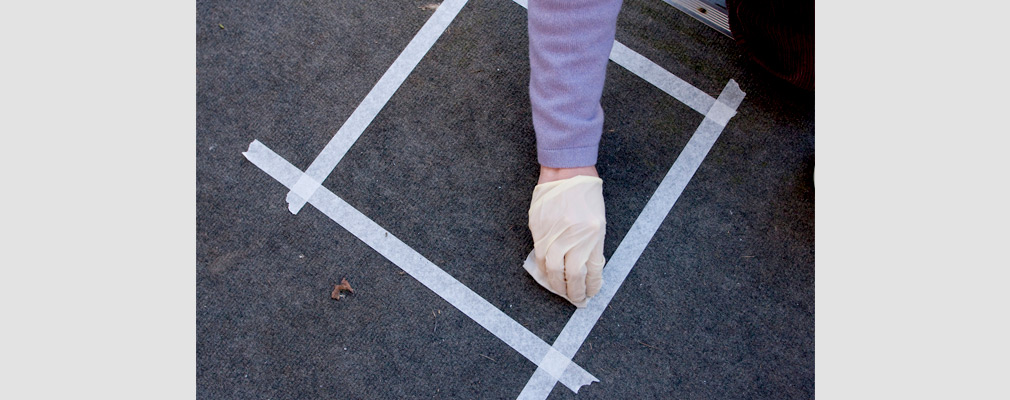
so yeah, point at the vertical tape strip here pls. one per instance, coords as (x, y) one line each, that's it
(373, 103)
(638, 237)
(550, 361)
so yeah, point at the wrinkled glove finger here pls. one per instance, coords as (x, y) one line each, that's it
(554, 263)
(575, 272)
(583, 240)
(594, 268)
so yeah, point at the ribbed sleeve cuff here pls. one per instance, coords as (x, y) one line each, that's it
(569, 157)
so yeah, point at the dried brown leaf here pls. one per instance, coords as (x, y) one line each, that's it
(344, 285)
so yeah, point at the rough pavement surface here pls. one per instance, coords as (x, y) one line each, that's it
(720, 305)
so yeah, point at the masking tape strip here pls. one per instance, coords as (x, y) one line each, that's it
(373, 103)
(720, 113)
(624, 258)
(552, 362)
(661, 78)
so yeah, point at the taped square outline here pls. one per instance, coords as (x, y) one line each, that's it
(717, 113)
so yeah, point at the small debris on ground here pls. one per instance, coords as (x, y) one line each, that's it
(344, 285)
(220, 26)
(429, 6)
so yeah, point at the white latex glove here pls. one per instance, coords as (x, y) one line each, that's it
(568, 223)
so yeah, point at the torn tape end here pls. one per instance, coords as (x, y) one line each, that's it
(576, 389)
(294, 203)
(248, 153)
(586, 380)
(253, 145)
(735, 84)
(736, 95)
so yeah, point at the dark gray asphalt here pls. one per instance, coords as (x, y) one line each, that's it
(720, 305)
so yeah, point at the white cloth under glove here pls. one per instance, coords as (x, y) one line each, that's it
(568, 222)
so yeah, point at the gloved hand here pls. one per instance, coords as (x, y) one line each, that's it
(568, 223)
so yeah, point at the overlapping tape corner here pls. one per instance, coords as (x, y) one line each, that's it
(427, 273)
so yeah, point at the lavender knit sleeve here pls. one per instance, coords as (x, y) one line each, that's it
(570, 42)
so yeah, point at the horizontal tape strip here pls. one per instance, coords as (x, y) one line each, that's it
(549, 360)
